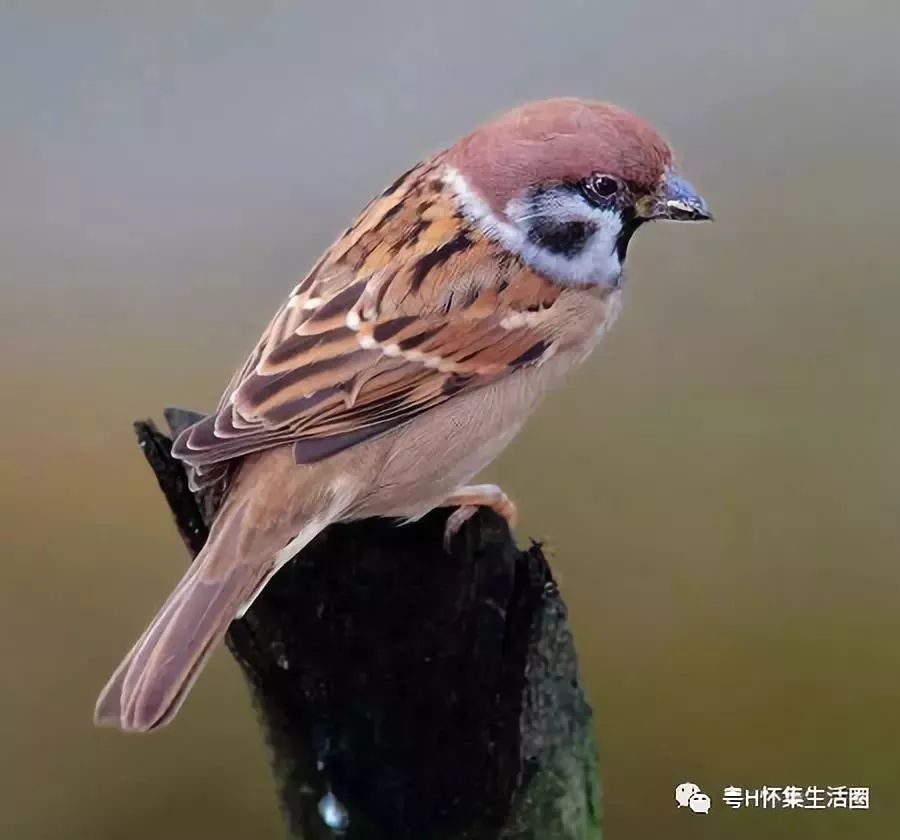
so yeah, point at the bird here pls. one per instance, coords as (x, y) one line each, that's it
(407, 359)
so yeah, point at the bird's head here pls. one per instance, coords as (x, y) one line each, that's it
(565, 183)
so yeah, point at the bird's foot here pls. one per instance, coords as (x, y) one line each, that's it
(467, 500)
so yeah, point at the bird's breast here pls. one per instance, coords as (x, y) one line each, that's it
(586, 316)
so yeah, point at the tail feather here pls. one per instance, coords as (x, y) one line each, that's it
(267, 516)
(152, 682)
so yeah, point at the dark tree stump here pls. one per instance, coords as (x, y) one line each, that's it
(407, 693)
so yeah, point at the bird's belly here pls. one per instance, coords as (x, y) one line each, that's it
(426, 462)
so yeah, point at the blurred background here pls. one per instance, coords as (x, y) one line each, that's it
(720, 485)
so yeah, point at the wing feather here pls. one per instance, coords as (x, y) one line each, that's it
(409, 308)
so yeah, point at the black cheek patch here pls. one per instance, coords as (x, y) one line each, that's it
(564, 238)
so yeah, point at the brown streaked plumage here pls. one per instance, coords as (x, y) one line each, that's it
(407, 359)
(424, 286)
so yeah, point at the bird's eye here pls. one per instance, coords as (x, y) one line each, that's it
(599, 187)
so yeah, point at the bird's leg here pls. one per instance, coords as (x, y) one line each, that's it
(467, 500)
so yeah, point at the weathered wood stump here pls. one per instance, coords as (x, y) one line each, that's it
(408, 693)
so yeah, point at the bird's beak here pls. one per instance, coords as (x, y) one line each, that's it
(675, 200)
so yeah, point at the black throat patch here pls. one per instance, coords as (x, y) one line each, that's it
(630, 223)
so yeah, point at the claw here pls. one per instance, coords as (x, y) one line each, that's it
(455, 521)
(469, 499)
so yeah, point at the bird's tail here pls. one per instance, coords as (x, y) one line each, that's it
(152, 682)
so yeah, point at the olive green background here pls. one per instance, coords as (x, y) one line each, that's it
(720, 484)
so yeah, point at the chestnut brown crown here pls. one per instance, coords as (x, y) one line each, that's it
(563, 140)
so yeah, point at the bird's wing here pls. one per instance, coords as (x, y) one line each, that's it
(410, 307)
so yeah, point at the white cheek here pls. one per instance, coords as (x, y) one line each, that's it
(478, 212)
(596, 263)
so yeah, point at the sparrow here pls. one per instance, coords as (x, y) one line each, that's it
(407, 359)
